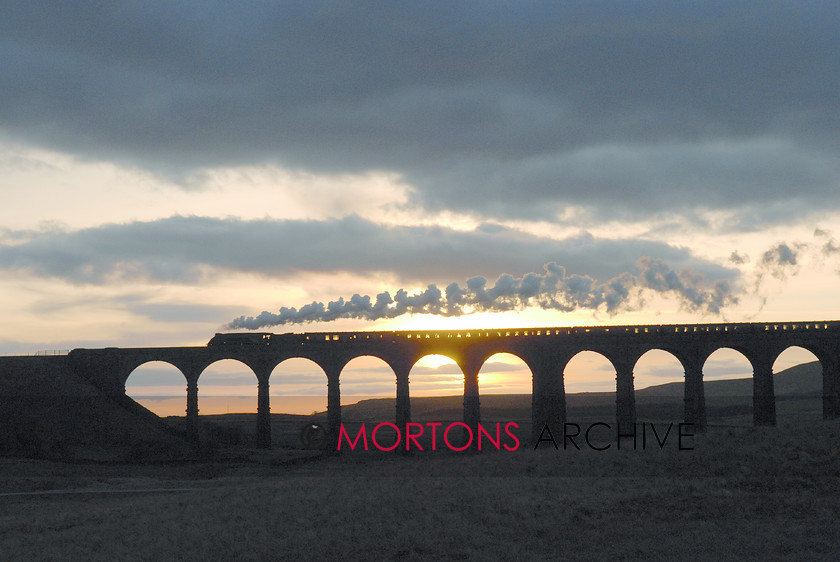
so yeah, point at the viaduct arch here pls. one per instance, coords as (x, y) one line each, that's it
(546, 352)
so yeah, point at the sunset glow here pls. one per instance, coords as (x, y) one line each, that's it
(529, 166)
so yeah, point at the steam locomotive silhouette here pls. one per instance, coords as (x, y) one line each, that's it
(259, 338)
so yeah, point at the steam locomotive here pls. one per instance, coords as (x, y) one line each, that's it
(259, 338)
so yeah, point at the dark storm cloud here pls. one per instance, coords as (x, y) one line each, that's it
(183, 249)
(510, 109)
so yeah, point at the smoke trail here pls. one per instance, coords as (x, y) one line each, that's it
(551, 290)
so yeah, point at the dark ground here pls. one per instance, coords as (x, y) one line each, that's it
(742, 492)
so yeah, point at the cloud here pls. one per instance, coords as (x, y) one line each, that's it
(629, 181)
(829, 247)
(738, 259)
(551, 290)
(508, 110)
(785, 259)
(781, 259)
(779, 255)
(144, 304)
(187, 249)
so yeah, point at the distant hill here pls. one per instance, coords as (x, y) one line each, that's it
(801, 380)
(439, 408)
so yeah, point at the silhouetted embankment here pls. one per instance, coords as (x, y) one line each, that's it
(47, 411)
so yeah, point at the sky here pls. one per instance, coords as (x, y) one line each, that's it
(169, 171)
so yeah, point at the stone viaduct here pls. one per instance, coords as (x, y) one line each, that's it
(546, 352)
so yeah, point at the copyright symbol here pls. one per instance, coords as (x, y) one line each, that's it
(313, 436)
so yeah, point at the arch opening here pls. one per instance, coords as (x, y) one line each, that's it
(436, 386)
(368, 390)
(368, 395)
(298, 386)
(159, 387)
(505, 385)
(590, 383)
(728, 388)
(659, 380)
(798, 385)
(227, 386)
(298, 394)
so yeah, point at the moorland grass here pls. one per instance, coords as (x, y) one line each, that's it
(742, 492)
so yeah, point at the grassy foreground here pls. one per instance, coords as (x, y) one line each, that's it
(741, 493)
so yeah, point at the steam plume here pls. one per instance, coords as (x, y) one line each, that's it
(551, 290)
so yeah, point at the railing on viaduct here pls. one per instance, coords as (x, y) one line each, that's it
(546, 352)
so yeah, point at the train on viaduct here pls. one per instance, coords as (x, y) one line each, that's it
(546, 352)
